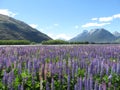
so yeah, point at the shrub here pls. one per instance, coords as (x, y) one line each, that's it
(14, 42)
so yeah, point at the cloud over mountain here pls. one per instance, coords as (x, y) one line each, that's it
(7, 12)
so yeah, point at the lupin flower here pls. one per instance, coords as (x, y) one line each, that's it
(52, 84)
(75, 87)
(47, 86)
(30, 66)
(110, 76)
(104, 86)
(85, 82)
(5, 78)
(100, 87)
(80, 83)
(118, 68)
(68, 82)
(91, 83)
(96, 85)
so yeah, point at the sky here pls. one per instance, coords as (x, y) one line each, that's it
(64, 19)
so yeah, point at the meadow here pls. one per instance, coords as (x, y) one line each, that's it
(62, 67)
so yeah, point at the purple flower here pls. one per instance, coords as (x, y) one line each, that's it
(80, 83)
(75, 87)
(68, 83)
(91, 83)
(100, 87)
(47, 86)
(110, 76)
(104, 86)
(52, 84)
(5, 78)
(96, 86)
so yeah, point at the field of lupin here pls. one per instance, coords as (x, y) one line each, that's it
(80, 67)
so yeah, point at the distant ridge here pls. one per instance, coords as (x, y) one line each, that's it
(117, 34)
(99, 35)
(12, 29)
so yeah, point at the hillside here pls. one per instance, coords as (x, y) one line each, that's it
(12, 29)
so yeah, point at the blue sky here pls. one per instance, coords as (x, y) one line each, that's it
(64, 18)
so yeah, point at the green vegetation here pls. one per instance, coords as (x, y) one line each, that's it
(49, 42)
(14, 42)
(55, 42)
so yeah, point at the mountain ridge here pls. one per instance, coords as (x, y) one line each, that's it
(13, 29)
(99, 35)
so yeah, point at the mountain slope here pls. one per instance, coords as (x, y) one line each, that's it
(96, 35)
(81, 37)
(117, 34)
(12, 29)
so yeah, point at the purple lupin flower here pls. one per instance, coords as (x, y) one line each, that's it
(118, 68)
(47, 86)
(80, 83)
(91, 83)
(107, 70)
(100, 87)
(113, 69)
(88, 71)
(96, 86)
(109, 85)
(19, 87)
(88, 84)
(76, 69)
(73, 70)
(52, 84)
(19, 68)
(5, 78)
(98, 66)
(104, 86)
(75, 87)
(29, 66)
(9, 82)
(110, 76)
(22, 87)
(68, 82)
(102, 69)
(85, 83)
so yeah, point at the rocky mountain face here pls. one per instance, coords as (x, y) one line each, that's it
(97, 35)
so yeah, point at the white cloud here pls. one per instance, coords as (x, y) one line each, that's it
(102, 21)
(116, 16)
(94, 19)
(34, 25)
(105, 19)
(59, 36)
(56, 24)
(95, 24)
(7, 12)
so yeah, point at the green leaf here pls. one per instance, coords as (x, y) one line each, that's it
(37, 85)
(29, 83)
(2, 86)
(24, 75)
(105, 78)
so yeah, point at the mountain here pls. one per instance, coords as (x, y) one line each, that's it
(117, 34)
(82, 36)
(95, 35)
(12, 29)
